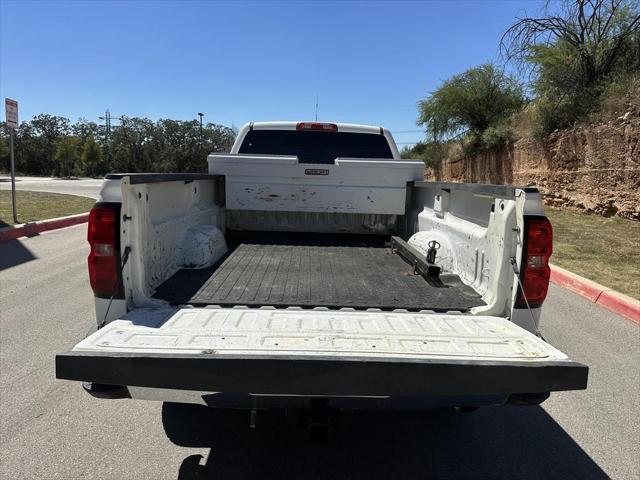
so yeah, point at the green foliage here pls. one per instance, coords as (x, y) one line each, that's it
(4, 148)
(431, 153)
(91, 156)
(574, 51)
(497, 136)
(132, 145)
(470, 103)
(66, 155)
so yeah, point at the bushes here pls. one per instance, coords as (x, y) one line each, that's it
(497, 136)
(431, 153)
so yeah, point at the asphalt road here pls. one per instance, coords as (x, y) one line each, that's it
(52, 429)
(85, 187)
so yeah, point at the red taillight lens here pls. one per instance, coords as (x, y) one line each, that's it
(103, 258)
(328, 127)
(535, 265)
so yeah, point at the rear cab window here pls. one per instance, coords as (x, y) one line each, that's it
(316, 147)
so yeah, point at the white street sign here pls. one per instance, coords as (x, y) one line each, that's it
(11, 109)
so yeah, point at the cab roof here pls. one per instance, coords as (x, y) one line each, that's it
(342, 127)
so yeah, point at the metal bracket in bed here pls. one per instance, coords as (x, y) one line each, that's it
(411, 255)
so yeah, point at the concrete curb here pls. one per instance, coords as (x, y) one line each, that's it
(34, 228)
(605, 297)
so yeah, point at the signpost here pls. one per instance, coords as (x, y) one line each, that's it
(11, 111)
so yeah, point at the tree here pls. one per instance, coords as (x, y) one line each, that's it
(470, 103)
(91, 155)
(83, 128)
(593, 34)
(45, 131)
(572, 51)
(4, 149)
(66, 155)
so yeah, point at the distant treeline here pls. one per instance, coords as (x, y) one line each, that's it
(52, 145)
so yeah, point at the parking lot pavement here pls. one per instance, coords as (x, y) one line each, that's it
(52, 429)
(85, 187)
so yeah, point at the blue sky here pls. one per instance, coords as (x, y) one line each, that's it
(368, 62)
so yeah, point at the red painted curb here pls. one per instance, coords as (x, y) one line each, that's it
(625, 306)
(605, 297)
(29, 229)
(576, 284)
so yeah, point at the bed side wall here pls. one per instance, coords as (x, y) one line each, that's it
(171, 225)
(474, 226)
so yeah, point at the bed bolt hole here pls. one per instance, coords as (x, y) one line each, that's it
(139, 195)
(502, 207)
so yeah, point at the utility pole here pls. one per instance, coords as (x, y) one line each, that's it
(200, 115)
(107, 122)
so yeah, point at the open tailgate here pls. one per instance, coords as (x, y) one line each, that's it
(310, 352)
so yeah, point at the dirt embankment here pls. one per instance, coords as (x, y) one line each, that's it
(595, 168)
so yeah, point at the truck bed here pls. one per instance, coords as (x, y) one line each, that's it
(316, 271)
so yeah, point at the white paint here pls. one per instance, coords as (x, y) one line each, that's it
(475, 243)
(280, 183)
(311, 333)
(11, 112)
(173, 225)
(111, 191)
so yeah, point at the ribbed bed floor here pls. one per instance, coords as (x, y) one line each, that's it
(315, 276)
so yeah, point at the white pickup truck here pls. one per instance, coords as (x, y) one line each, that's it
(312, 264)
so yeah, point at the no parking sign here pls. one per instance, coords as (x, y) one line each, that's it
(11, 111)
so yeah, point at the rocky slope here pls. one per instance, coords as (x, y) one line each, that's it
(595, 167)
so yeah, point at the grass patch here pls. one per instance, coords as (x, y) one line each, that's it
(34, 206)
(604, 250)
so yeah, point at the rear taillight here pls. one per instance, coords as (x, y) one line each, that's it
(328, 127)
(535, 271)
(103, 260)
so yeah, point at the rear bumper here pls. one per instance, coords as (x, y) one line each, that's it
(320, 376)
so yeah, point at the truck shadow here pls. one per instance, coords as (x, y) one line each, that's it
(14, 253)
(494, 443)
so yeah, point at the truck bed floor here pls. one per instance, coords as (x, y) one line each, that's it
(317, 276)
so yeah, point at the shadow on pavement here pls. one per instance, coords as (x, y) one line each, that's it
(494, 443)
(14, 253)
